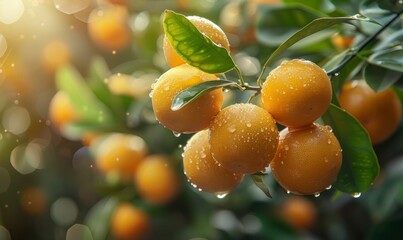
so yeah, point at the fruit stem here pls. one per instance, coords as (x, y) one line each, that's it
(238, 71)
(354, 51)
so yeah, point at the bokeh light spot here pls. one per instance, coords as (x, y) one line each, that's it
(11, 11)
(79, 231)
(4, 233)
(26, 158)
(64, 211)
(4, 180)
(71, 6)
(16, 120)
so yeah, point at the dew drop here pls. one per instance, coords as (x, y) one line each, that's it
(221, 195)
(249, 124)
(203, 154)
(336, 74)
(329, 187)
(231, 129)
(329, 128)
(329, 141)
(356, 195)
(176, 134)
(200, 189)
(317, 194)
(180, 146)
(288, 191)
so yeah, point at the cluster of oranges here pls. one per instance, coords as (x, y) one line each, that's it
(243, 138)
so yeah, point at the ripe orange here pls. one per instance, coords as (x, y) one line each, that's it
(299, 212)
(379, 112)
(55, 54)
(243, 138)
(118, 153)
(156, 180)
(61, 110)
(203, 171)
(342, 42)
(129, 222)
(296, 93)
(307, 160)
(205, 26)
(195, 116)
(108, 27)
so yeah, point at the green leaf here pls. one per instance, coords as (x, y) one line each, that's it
(98, 218)
(379, 78)
(371, 9)
(360, 164)
(276, 23)
(194, 47)
(322, 5)
(98, 73)
(391, 59)
(87, 105)
(311, 28)
(258, 180)
(391, 5)
(189, 95)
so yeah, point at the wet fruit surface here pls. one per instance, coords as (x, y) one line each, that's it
(378, 112)
(296, 93)
(307, 160)
(203, 171)
(193, 117)
(243, 138)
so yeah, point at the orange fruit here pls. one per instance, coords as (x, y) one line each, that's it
(307, 160)
(203, 171)
(205, 26)
(118, 153)
(243, 138)
(55, 54)
(378, 112)
(296, 93)
(129, 222)
(341, 42)
(108, 27)
(61, 110)
(298, 212)
(195, 116)
(156, 180)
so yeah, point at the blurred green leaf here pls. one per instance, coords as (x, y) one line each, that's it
(83, 99)
(391, 59)
(384, 198)
(391, 5)
(194, 47)
(309, 29)
(189, 95)
(274, 24)
(98, 75)
(323, 5)
(389, 229)
(258, 180)
(379, 78)
(98, 218)
(371, 9)
(360, 164)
